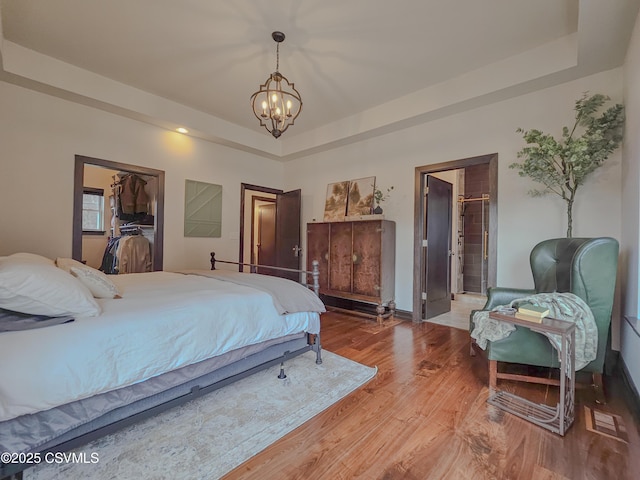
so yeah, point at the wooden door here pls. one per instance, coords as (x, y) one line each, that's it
(367, 249)
(340, 259)
(318, 249)
(288, 209)
(438, 247)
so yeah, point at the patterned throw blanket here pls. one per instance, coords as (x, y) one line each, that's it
(564, 306)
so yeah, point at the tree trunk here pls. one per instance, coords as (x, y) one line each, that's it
(569, 217)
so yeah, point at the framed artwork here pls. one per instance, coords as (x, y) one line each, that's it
(335, 205)
(202, 209)
(360, 200)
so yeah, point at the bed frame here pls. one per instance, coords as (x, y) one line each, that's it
(274, 354)
(315, 273)
(315, 286)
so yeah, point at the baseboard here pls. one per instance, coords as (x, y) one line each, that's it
(631, 392)
(404, 315)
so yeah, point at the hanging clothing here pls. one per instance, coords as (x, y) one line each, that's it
(127, 254)
(133, 198)
(109, 262)
(134, 254)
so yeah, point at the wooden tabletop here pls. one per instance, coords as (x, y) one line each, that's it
(548, 324)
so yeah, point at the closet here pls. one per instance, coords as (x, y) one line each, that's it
(132, 240)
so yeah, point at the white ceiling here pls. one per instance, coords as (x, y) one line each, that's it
(363, 67)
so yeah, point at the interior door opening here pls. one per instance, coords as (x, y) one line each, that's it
(270, 229)
(263, 234)
(82, 246)
(469, 265)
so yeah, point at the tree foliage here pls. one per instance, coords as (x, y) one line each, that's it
(563, 165)
(379, 196)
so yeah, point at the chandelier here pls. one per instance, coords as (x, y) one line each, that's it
(277, 104)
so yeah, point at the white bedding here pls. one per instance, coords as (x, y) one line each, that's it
(162, 322)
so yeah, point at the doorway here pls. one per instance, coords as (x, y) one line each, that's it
(270, 229)
(263, 232)
(156, 233)
(470, 225)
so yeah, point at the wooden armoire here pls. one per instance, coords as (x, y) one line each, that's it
(357, 261)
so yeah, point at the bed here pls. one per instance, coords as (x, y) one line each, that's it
(149, 341)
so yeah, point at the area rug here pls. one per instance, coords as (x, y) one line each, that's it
(210, 436)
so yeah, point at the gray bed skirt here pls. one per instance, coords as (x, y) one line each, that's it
(77, 423)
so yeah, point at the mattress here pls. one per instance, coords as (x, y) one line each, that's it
(65, 423)
(164, 321)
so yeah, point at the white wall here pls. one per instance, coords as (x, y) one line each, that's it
(39, 136)
(392, 158)
(630, 244)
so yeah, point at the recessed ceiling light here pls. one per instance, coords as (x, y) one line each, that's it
(182, 130)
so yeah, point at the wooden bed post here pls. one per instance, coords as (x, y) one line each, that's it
(213, 260)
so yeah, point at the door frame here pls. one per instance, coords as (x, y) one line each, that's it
(254, 188)
(419, 226)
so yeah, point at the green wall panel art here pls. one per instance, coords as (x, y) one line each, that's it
(202, 209)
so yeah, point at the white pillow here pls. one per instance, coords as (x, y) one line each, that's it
(28, 285)
(66, 264)
(97, 282)
(32, 257)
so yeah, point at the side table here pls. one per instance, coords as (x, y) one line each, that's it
(558, 419)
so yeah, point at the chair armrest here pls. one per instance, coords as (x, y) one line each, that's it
(503, 296)
(500, 296)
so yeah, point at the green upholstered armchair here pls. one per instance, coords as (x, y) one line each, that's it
(585, 267)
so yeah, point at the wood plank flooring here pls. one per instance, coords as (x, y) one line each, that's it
(425, 416)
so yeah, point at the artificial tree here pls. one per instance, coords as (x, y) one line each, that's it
(563, 165)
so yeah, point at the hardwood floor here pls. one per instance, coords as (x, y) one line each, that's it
(425, 416)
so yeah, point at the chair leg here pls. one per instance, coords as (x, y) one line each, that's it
(598, 387)
(472, 348)
(493, 374)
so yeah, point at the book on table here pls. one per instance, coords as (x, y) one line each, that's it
(528, 318)
(533, 310)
